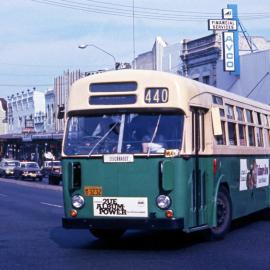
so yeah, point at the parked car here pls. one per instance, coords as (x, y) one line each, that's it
(28, 170)
(7, 167)
(53, 170)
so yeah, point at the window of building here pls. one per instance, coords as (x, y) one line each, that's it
(249, 116)
(221, 112)
(232, 133)
(251, 136)
(242, 135)
(229, 112)
(206, 79)
(240, 114)
(221, 139)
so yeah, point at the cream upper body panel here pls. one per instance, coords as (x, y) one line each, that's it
(183, 92)
(180, 90)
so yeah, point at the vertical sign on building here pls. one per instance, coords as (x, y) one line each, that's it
(228, 25)
(233, 8)
(228, 51)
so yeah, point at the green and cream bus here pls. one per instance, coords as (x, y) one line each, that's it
(153, 150)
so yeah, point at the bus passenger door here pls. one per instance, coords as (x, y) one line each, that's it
(197, 185)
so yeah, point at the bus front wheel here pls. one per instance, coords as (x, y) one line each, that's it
(108, 234)
(223, 214)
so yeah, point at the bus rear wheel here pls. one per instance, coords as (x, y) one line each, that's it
(107, 234)
(224, 214)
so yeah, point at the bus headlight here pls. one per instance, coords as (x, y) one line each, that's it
(77, 201)
(163, 201)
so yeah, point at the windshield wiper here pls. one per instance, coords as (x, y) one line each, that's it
(102, 138)
(154, 135)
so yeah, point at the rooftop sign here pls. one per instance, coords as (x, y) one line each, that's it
(222, 25)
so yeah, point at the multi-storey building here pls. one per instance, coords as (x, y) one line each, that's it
(162, 57)
(50, 111)
(62, 86)
(3, 116)
(202, 56)
(26, 112)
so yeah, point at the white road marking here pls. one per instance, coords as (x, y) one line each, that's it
(3, 195)
(53, 205)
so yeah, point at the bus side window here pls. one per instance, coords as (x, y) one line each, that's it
(198, 130)
(221, 139)
(251, 136)
(259, 137)
(242, 135)
(232, 133)
(202, 115)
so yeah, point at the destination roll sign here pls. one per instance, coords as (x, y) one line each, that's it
(222, 25)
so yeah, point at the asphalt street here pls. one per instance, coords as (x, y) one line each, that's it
(31, 237)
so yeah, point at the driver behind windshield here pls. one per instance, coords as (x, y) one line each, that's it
(153, 141)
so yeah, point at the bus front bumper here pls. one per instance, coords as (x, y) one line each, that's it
(149, 223)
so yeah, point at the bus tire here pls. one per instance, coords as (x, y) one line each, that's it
(107, 234)
(224, 214)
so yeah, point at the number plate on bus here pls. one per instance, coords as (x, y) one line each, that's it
(120, 207)
(92, 191)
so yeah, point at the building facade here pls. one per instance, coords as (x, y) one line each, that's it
(162, 57)
(254, 81)
(50, 111)
(26, 112)
(3, 116)
(200, 58)
(203, 57)
(62, 86)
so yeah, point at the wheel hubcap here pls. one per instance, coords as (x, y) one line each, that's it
(221, 212)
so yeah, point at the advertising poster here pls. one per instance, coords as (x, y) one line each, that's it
(254, 173)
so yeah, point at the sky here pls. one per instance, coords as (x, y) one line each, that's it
(39, 38)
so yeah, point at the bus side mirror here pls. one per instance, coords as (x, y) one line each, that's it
(216, 121)
(168, 175)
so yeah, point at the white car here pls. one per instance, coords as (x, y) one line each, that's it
(7, 167)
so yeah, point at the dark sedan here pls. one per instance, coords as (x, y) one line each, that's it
(28, 170)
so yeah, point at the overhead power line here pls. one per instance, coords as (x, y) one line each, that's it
(122, 13)
(25, 85)
(121, 10)
(28, 75)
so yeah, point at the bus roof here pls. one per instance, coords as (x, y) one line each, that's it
(183, 92)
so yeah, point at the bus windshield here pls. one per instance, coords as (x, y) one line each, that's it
(133, 133)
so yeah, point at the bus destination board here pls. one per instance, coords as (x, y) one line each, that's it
(156, 95)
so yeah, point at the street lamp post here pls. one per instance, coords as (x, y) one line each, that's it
(83, 46)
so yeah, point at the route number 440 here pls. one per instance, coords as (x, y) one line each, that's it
(156, 95)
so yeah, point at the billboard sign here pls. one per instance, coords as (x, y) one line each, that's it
(222, 25)
(228, 51)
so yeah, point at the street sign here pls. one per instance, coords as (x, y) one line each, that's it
(222, 25)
